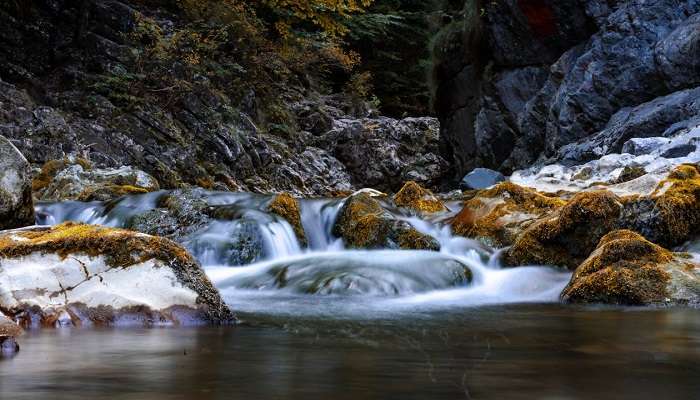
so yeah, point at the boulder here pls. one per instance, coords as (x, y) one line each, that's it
(418, 199)
(75, 179)
(16, 204)
(627, 269)
(481, 178)
(364, 224)
(568, 235)
(499, 214)
(77, 275)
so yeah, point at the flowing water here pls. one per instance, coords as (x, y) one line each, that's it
(327, 322)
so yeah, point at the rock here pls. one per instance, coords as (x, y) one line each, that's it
(383, 153)
(627, 269)
(570, 234)
(9, 331)
(584, 100)
(641, 146)
(383, 273)
(364, 224)
(287, 207)
(75, 274)
(415, 197)
(16, 204)
(481, 178)
(671, 214)
(75, 179)
(499, 214)
(679, 151)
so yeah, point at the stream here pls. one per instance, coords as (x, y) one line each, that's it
(349, 324)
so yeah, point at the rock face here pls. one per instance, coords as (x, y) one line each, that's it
(627, 269)
(16, 204)
(573, 79)
(364, 224)
(74, 274)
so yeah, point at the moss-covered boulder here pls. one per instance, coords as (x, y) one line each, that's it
(364, 224)
(567, 236)
(418, 199)
(671, 214)
(77, 274)
(499, 214)
(627, 269)
(16, 204)
(287, 207)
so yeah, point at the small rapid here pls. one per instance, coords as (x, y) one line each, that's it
(258, 263)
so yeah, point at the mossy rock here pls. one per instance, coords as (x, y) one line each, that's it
(287, 207)
(671, 214)
(364, 224)
(499, 214)
(413, 196)
(567, 236)
(104, 275)
(627, 269)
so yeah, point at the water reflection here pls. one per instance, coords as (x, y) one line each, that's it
(520, 352)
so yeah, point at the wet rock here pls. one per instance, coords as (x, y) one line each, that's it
(78, 275)
(177, 214)
(641, 146)
(627, 269)
(481, 178)
(499, 214)
(415, 197)
(679, 151)
(16, 204)
(75, 179)
(383, 273)
(568, 235)
(287, 207)
(364, 224)
(9, 331)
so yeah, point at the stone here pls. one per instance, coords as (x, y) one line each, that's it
(363, 223)
(641, 146)
(416, 198)
(16, 203)
(82, 275)
(481, 178)
(627, 269)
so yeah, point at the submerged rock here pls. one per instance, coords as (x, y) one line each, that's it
(413, 196)
(627, 269)
(16, 204)
(77, 275)
(9, 331)
(481, 178)
(364, 224)
(498, 215)
(356, 273)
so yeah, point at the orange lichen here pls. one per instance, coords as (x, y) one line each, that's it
(415, 197)
(500, 213)
(570, 234)
(625, 268)
(287, 207)
(679, 203)
(110, 191)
